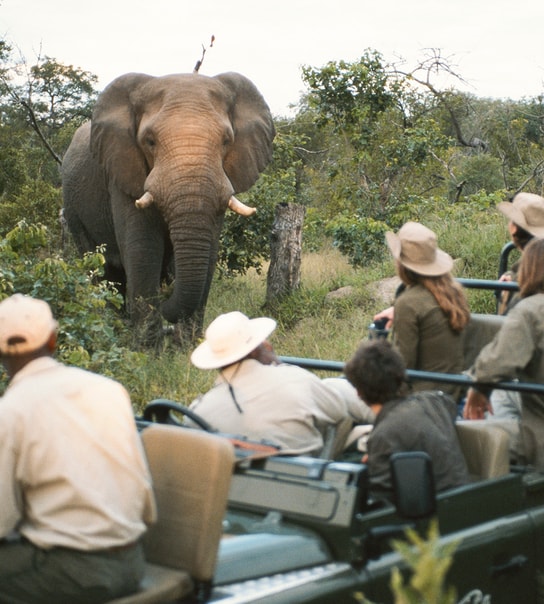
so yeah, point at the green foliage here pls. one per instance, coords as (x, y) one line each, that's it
(429, 561)
(350, 94)
(360, 239)
(59, 94)
(39, 202)
(41, 106)
(90, 330)
(245, 240)
(480, 172)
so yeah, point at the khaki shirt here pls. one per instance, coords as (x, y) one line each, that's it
(425, 339)
(282, 404)
(72, 467)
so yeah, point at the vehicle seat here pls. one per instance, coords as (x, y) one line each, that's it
(334, 441)
(481, 329)
(485, 447)
(191, 472)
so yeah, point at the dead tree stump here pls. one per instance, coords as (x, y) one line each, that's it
(285, 252)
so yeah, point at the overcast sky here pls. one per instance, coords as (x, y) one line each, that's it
(496, 45)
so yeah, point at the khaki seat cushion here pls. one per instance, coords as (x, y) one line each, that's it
(191, 472)
(485, 447)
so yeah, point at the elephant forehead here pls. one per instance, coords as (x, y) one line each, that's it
(185, 86)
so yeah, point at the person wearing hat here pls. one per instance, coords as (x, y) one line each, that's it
(431, 311)
(517, 352)
(76, 494)
(256, 397)
(421, 421)
(525, 215)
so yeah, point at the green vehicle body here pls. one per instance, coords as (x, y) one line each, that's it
(306, 530)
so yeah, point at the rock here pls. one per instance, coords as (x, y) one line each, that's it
(340, 293)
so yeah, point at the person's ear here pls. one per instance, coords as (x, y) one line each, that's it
(52, 342)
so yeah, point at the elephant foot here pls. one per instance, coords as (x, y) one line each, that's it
(147, 326)
(185, 335)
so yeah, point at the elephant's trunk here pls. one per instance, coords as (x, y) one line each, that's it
(195, 257)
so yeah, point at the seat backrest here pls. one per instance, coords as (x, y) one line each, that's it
(191, 473)
(485, 447)
(334, 441)
(481, 329)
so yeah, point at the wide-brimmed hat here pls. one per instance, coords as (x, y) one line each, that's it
(25, 324)
(229, 338)
(415, 247)
(527, 211)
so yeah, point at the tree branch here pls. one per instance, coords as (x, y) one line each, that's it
(37, 129)
(437, 64)
(201, 60)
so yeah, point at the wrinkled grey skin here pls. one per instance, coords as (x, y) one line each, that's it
(190, 140)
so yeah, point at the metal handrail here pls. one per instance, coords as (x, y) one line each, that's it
(414, 374)
(488, 284)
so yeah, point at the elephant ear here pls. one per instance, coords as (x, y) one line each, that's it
(113, 133)
(253, 130)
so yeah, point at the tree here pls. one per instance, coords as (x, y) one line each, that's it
(48, 97)
(40, 108)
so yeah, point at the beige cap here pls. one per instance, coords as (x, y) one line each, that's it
(415, 247)
(229, 338)
(25, 324)
(527, 211)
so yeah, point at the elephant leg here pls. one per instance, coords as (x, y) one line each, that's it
(142, 238)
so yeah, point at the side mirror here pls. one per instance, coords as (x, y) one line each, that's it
(413, 485)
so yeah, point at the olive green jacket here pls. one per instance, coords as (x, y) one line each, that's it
(426, 341)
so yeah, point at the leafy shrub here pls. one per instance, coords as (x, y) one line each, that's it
(361, 239)
(429, 561)
(90, 328)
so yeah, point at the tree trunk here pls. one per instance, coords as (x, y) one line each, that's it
(285, 251)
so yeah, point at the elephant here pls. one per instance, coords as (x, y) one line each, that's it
(151, 176)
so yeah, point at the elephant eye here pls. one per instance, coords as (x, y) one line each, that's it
(149, 141)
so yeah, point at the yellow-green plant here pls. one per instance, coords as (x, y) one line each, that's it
(429, 561)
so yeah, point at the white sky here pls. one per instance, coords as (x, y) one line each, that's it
(496, 45)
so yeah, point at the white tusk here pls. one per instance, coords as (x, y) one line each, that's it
(240, 208)
(145, 200)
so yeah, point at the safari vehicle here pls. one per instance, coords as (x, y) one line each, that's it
(282, 529)
(301, 529)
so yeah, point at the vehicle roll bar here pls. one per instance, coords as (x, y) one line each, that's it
(414, 374)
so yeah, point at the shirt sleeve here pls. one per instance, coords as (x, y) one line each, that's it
(406, 332)
(10, 493)
(359, 411)
(510, 351)
(328, 407)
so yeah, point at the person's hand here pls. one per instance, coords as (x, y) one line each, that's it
(389, 314)
(476, 405)
(506, 277)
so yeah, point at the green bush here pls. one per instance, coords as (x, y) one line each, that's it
(361, 239)
(91, 330)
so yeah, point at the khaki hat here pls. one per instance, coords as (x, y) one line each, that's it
(527, 211)
(229, 338)
(415, 248)
(25, 324)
